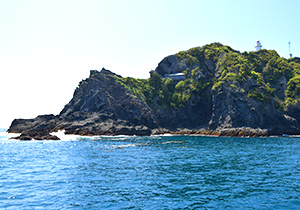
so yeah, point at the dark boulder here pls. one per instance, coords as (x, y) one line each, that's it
(36, 135)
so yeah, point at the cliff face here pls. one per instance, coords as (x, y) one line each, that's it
(105, 107)
(100, 106)
(224, 93)
(233, 109)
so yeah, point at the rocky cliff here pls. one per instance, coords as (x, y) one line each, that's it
(225, 93)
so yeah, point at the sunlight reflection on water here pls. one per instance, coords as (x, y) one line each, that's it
(158, 172)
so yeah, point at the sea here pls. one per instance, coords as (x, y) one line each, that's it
(156, 172)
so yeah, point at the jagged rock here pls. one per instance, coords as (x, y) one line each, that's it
(36, 135)
(100, 106)
(280, 88)
(103, 105)
(293, 110)
(169, 65)
(243, 131)
(41, 122)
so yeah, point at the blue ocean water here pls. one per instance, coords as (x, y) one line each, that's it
(158, 172)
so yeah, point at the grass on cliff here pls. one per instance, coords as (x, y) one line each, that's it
(162, 92)
(256, 74)
(264, 69)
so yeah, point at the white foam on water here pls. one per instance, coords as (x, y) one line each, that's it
(71, 137)
(124, 146)
(65, 137)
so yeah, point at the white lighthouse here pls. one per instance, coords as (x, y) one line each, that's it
(258, 45)
(290, 54)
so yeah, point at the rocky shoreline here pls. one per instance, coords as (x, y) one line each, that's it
(224, 93)
(233, 132)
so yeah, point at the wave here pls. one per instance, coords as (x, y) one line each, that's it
(65, 137)
(71, 137)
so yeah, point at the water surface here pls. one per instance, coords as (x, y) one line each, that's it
(158, 172)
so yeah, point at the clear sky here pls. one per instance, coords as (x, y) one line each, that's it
(48, 46)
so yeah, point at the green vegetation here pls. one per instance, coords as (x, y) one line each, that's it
(293, 89)
(139, 87)
(163, 92)
(198, 54)
(172, 95)
(255, 74)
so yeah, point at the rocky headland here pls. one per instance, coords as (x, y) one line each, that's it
(209, 90)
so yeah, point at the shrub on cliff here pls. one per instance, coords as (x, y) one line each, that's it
(256, 74)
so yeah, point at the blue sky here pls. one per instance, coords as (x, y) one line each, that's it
(47, 47)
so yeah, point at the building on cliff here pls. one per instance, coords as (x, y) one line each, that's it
(258, 45)
(290, 54)
(175, 77)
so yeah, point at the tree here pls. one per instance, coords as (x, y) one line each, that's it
(155, 83)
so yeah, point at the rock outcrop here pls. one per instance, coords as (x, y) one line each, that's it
(222, 95)
(100, 106)
(232, 109)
